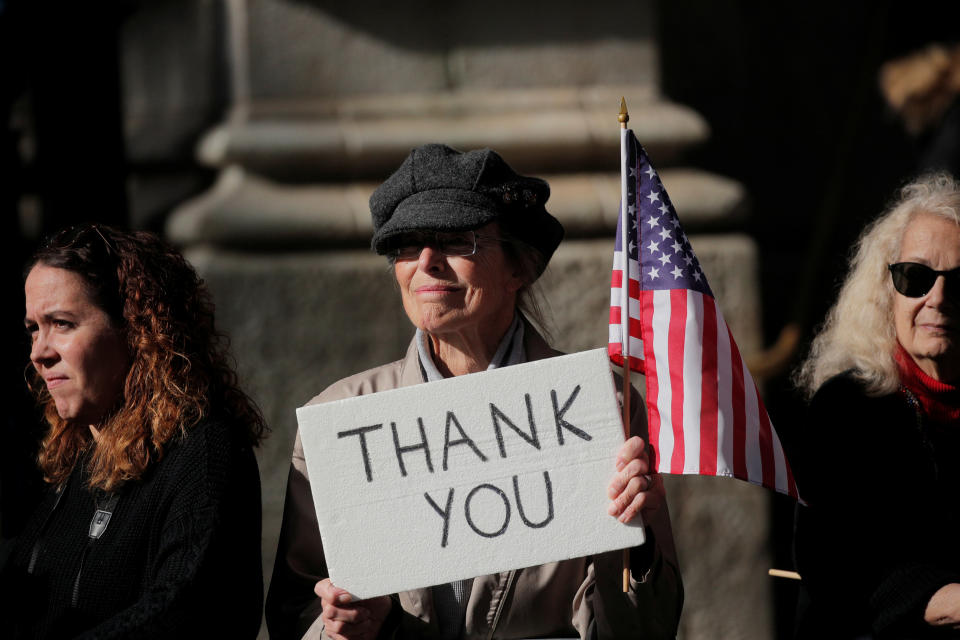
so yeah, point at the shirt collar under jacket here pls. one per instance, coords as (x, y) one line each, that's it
(509, 351)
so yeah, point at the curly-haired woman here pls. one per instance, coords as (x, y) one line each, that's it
(152, 523)
(879, 461)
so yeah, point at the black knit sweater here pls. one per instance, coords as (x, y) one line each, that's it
(880, 535)
(180, 556)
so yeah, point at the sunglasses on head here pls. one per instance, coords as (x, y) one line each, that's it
(914, 280)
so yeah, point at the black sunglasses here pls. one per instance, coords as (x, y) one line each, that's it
(914, 280)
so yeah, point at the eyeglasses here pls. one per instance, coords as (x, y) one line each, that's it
(914, 280)
(450, 244)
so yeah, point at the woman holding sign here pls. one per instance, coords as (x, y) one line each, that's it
(467, 237)
(880, 465)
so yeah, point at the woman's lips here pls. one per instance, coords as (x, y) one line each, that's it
(54, 381)
(436, 289)
(937, 329)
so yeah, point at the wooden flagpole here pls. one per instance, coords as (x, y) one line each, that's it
(623, 117)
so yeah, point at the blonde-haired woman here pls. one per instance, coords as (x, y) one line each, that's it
(879, 459)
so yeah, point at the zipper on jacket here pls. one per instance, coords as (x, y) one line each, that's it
(511, 577)
(35, 551)
(98, 526)
(76, 581)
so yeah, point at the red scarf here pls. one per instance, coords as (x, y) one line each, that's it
(939, 401)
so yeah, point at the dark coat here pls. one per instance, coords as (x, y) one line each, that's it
(180, 556)
(880, 534)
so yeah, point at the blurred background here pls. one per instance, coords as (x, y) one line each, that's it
(250, 133)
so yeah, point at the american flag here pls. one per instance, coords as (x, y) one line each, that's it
(705, 414)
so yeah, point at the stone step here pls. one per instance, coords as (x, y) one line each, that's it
(536, 130)
(243, 210)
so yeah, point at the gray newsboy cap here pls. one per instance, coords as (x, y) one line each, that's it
(438, 188)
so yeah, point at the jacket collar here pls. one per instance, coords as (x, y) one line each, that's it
(534, 346)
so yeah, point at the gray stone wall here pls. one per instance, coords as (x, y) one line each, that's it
(174, 85)
(301, 49)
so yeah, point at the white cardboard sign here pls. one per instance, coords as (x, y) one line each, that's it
(467, 476)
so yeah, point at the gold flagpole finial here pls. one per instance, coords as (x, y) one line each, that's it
(624, 116)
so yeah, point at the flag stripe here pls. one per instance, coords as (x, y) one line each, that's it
(660, 324)
(780, 460)
(618, 264)
(615, 339)
(766, 446)
(725, 422)
(753, 452)
(791, 485)
(636, 349)
(739, 426)
(709, 406)
(675, 342)
(653, 387)
(692, 376)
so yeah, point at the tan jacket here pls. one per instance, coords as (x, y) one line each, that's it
(580, 597)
